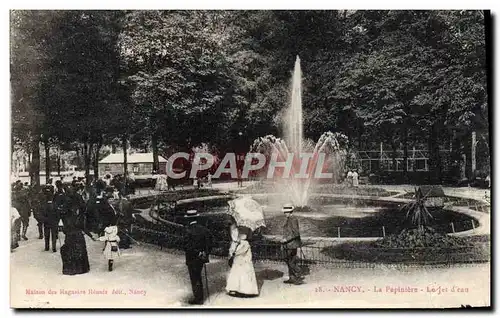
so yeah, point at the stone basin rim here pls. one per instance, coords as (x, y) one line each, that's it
(482, 218)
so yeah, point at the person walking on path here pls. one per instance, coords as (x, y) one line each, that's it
(37, 204)
(21, 201)
(111, 249)
(241, 280)
(197, 246)
(74, 254)
(50, 185)
(61, 203)
(51, 218)
(291, 242)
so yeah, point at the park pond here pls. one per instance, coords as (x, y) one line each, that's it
(332, 217)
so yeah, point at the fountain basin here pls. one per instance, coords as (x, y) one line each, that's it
(333, 216)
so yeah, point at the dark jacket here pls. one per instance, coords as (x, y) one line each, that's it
(21, 201)
(51, 215)
(291, 233)
(62, 203)
(197, 239)
(38, 204)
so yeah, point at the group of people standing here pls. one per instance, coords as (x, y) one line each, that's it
(78, 212)
(241, 279)
(121, 185)
(75, 211)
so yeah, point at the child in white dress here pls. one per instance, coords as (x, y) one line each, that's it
(111, 249)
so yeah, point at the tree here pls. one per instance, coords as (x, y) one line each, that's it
(179, 72)
(81, 104)
(29, 60)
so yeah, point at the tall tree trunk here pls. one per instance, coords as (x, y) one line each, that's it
(467, 142)
(86, 158)
(35, 162)
(456, 157)
(473, 153)
(154, 144)
(124, 146)
(58, 160)
(78, 157)
(96, 158)
(360, 133)
(405, 153)
(59, 164)
(47, 159)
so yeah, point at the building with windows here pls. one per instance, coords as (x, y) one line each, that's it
(388, 160)
(138, 163)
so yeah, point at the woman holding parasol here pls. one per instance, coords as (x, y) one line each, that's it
(248, 216)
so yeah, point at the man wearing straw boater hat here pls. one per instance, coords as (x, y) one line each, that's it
(291, 242)
(197, 245)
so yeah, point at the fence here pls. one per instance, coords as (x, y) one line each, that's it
(472, 204)
(317, 251)
(333, 252)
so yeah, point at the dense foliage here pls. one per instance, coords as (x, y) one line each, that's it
(172, 80)
(416, 238)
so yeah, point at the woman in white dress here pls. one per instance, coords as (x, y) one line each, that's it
(355, 179)
(241, 280)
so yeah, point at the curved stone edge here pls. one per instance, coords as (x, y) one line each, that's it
(207, 198)
(482, 218)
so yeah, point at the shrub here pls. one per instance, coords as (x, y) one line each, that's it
(422, 237)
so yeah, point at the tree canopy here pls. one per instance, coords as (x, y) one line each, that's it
(173, 80)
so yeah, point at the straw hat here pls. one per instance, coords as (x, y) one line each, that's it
(191, 214)
(288, 208)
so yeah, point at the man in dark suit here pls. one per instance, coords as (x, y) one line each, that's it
(197, 245)
(62, 202)
(51, 219)
(50, 185)
(38, 205)
(21, 201)
(291, 242)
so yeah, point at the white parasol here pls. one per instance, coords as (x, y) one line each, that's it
(247, 212)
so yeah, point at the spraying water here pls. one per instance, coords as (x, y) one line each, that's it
(294, 125)
(296, 189)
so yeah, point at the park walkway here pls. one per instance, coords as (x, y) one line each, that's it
(154, 278)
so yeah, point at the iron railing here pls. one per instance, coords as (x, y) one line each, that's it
(327, 251)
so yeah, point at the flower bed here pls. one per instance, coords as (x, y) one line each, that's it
(414, 238)
(412, 246)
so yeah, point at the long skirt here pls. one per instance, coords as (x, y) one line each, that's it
(241, 278)
(74, 254)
